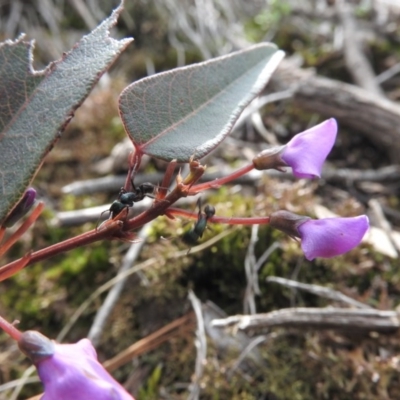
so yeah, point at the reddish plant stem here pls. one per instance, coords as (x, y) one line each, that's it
(182, 189)
(23, 228)
(69, 244)
(166, 182)
(240, 221)
(221, 220)
(10, 329)
(216, 183)
(114, 228)
(135, 159)
(158, 208)
(10, 270)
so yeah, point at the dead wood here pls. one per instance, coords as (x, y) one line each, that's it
(343, 319)
(356, 62)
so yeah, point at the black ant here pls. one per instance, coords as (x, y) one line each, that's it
(192, 236)
(127, 199)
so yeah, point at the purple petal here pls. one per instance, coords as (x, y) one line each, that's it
(331, 237)
(307, 151)
(73, 372)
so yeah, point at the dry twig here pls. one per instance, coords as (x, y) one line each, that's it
(356, 62)
(364, 320)
(319, 291)
(201, 346)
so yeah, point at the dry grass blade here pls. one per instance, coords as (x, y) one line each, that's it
(178, 327)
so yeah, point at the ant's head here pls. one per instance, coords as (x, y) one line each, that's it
(147, 188)
(209, 211)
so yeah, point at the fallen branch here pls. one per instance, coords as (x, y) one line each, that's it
(356, 62)
(318, 291)
(365, 320)
(375, 117)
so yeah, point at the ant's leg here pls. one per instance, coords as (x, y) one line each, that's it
(198, 204)
(97, 224)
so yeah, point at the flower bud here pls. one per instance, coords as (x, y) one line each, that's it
(287, 222)
(270, 159)
(22, 207)
(70, 371)
(36, 346)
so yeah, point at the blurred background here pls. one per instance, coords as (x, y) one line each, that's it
(342, 61)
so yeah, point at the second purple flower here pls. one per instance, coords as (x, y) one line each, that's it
(327, 237)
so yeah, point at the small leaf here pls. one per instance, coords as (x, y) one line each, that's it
(35, 107)
(190, 110)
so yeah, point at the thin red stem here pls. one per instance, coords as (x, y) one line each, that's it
(135, 159)
(110, 230)
(160, 207)
(69, 244)
(10, 329)
(23, 228)
(216, 183)
(166, 182)
(10, 270)
(2, 232)
(220, 220)
(240, 221)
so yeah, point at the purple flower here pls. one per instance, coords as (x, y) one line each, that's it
(305, 153)
(22, 207)
(70, 371)
(328, 237)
